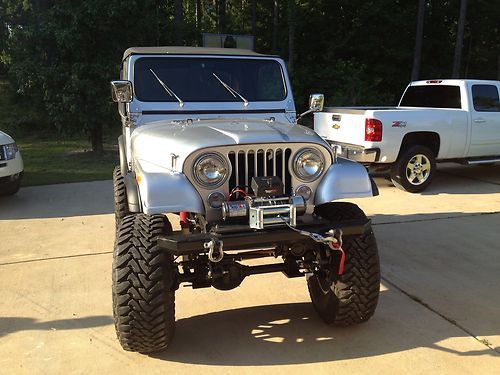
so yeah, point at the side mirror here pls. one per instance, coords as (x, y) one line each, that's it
(316, 102)
(121, 91)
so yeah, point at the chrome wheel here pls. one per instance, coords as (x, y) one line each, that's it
(418, 169)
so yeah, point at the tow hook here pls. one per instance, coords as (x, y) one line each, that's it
(333, 240)
(215, 246)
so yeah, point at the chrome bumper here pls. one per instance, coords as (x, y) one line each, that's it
(356, 153)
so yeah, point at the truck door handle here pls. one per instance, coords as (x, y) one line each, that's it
(479, 120)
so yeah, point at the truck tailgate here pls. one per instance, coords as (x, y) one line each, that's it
(345, 125)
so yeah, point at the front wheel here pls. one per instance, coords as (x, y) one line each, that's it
(143, 284)
(120, 196)
(414, 169)
(352, 297)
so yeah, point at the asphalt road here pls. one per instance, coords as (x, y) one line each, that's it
(439, 309)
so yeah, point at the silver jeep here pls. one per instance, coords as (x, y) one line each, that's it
(212, 135)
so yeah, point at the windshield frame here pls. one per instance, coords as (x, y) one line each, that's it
(284, 79)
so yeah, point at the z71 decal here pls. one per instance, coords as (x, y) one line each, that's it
(399, 124)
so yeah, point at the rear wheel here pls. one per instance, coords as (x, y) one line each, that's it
(143, 284)
(120, 196)
(352, 297)
(414, 169)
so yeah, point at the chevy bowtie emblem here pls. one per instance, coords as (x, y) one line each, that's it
(336, 126)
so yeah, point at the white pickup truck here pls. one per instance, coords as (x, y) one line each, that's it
(436, 120)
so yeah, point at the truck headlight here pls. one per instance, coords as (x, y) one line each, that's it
(10, 151)
(308, 164)
(210, 170)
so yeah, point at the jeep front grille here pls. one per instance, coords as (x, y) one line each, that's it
(246, 164)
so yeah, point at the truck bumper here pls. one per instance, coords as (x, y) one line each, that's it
(240, 237)
(356, 153)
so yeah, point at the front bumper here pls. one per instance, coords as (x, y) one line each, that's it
(11, 167)
(240, 237)
(356, 152)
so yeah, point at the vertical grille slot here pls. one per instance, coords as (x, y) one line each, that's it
(260, 162)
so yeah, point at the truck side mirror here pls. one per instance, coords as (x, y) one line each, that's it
(121, 91)
(316, 102)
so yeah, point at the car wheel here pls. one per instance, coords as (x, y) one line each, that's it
(143, 287)
(350, 298)
(414, 169)
(120, 196)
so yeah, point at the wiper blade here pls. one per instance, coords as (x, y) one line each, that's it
(232, 91)
(167, 89)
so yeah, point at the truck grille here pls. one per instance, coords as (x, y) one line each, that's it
(264, 162)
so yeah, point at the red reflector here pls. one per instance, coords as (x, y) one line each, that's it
(373, 130)
(433, 81)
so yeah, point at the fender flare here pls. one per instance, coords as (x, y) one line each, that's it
(133, 199)
(345, 179)
(164, 191)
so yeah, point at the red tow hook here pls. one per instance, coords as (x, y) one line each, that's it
(338, 246)
(183, 216)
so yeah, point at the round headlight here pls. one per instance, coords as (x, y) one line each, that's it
(308, 164)
(210, 170)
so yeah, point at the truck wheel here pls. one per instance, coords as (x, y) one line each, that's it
(120, 196)
(143, 284)
(352, 298)
(414, 169)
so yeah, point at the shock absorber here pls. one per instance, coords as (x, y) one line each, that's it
(185, 226)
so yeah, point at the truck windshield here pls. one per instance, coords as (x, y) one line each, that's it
(432, 96)
(193, 80)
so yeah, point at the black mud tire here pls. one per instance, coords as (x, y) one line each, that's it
(120, 196)
(143, 287)
(400, 171)
(353, 298)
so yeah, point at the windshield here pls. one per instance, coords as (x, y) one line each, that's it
(194, 79)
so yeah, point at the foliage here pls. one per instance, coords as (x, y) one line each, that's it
(60, 55)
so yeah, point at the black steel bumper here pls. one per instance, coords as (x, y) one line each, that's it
(240, 237)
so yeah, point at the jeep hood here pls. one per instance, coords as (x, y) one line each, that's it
(153, 143)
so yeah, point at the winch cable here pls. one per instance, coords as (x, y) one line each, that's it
(334, 241)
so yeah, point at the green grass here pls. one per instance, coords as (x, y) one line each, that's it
(49, 159)
(55, 161)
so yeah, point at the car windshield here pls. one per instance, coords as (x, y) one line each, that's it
(194, 79)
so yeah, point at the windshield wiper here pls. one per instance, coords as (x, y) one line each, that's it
(232, 91)
(168, 89)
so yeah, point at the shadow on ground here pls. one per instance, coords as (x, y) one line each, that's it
(9, 325)
(54, 201)
(456, 179)
(293, 334)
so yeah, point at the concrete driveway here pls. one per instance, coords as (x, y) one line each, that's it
(439, 310)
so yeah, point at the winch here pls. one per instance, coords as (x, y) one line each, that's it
(265, 209)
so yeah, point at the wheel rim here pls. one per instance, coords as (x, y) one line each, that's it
(418, 169)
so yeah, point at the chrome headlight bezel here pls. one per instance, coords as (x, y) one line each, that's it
(298, 164)
(201, 177)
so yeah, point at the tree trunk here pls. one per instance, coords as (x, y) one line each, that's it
(291, 34)
(460, 37)
(254, 19)
(417, 57)
(498, 72)
(275, 25)
(199, 15)
(179, 22)
(96, 138)
(222, 16)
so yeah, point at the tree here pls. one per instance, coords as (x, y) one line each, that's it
(459, 41)
(291, 34)
(419, 36)
(179, 21)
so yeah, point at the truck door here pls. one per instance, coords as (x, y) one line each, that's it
(485, 116)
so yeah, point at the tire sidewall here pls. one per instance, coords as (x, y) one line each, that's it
(398, 172)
